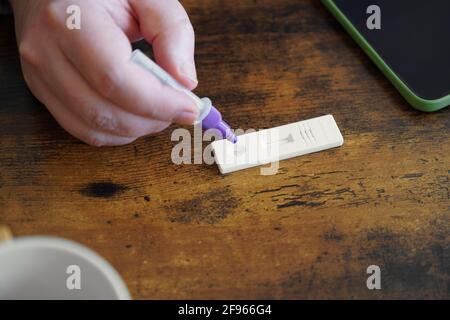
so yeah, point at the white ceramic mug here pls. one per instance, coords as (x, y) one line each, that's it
(54, 268)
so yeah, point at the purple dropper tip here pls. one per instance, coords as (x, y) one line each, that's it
(214, 121)
(232, 138)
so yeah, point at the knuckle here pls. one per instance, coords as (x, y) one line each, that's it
(140, 129)
(101, 119)
(28, 54)
(95, 140)
(130, 130)
(109, 81)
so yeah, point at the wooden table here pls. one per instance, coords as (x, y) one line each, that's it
(185, 231)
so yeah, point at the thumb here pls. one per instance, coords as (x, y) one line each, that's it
(166, 26)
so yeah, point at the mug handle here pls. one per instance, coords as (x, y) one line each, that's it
(5, 233)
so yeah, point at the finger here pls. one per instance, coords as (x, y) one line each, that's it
(101, 52)
(97, 112)
(124, 17)
(70, 122)
(166, 25)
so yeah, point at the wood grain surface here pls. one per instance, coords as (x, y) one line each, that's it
(187, 232)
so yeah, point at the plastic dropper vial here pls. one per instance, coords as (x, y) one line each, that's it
(209, 116)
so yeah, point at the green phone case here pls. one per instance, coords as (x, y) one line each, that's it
(416, 101)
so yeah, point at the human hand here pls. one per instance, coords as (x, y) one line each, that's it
(85, 77)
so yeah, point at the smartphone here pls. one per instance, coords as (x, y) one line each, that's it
(409, 41)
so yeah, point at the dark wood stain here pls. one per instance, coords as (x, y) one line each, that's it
(210, 208)
(102, 189)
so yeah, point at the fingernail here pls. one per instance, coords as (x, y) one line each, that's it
(186, 117)
(189, 71)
